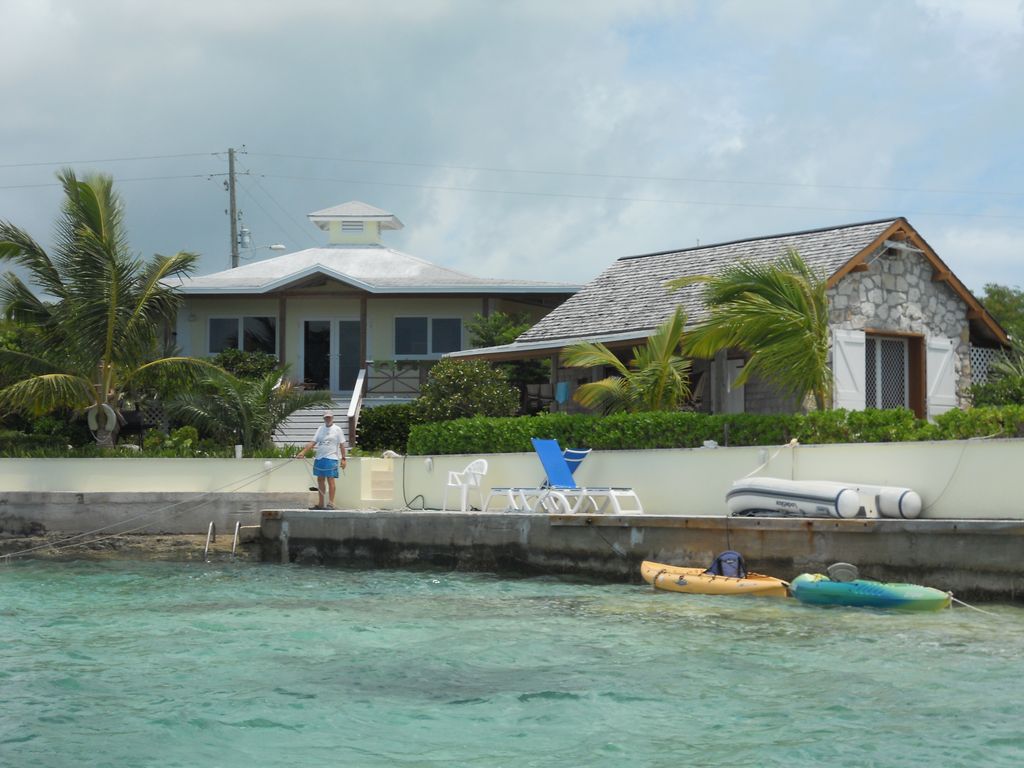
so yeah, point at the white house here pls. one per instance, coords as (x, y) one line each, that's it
(354, 305)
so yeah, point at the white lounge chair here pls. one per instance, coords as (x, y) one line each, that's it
(561, 494)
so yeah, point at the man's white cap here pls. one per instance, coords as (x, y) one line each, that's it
(329, 414)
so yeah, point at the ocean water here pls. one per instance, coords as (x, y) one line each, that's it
(158, 664)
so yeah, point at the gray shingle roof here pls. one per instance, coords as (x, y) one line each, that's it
(630, 295)
(374, 268)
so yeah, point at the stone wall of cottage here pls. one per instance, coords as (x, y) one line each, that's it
(897, 293)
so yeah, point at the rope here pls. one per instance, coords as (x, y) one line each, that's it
(951, 475)
(791, 444)
(63, 544)
(972, 607)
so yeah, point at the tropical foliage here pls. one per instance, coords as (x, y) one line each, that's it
(778, 314)
(657, 378)
(458, 388)
(500, 328)
(243, 411)
(98, 314)
(1007, 306)
(1005, 385)
(690, 429)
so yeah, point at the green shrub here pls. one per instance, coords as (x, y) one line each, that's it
(386, 427)
(682, 429)
(460, 388)
(1007, 421)
(868, 426)
(1005, 390)
(620, 431)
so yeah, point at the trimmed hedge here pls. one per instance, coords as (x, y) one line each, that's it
(638, 431)
(386, 427)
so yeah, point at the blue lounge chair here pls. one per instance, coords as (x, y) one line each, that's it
(560, 492)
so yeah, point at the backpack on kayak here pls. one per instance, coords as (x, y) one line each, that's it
(728, 563)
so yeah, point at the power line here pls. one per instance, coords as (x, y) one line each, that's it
(107, 160)
(260, 205)
(610, 198)
(691, 179)
(288, 215)
(120, 180)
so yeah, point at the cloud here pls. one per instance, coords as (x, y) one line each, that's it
(982, 255)
(520, 140)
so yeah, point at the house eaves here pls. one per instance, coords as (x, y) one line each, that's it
(526, 350)
(370, 268)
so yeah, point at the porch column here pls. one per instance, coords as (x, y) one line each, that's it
(555, 363)
(719, 382)
(362, 331)
(282, 329)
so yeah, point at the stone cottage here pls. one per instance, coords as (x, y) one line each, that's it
(906, 331)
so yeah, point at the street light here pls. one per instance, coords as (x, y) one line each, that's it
(245, 243)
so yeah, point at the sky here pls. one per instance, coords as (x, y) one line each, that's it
(531, 139)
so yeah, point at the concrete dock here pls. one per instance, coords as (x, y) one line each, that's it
(975, 559)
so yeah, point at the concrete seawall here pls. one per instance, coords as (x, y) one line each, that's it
(976, 559)
(34, 512)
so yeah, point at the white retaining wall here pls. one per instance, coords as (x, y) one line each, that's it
(972, 479)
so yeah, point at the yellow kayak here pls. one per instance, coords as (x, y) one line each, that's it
(694, 581)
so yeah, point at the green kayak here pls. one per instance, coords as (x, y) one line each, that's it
(818, 589)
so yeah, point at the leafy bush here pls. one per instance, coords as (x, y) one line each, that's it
(460, 388)
(868, 426)
(638, 431)
(246, 365)
(620, 431)
(386, 427)
(1007, 421)
(1006, 390)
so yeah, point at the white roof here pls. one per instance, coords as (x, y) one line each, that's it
(373, 268)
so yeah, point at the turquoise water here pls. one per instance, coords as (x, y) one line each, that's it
(157, 664)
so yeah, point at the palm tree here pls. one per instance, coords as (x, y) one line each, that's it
(98, 313)
(778, 314)
(657, 379)
(246, 410)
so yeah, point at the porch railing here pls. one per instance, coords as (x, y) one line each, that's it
(400, 379)
(355, 406)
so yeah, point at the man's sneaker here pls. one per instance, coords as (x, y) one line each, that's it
(316, 506)
(330, 506)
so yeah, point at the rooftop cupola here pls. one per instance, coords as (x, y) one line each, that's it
(354, 223)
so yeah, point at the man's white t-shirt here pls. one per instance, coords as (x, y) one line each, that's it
(328, 442)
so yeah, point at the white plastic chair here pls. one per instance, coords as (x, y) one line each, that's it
(468, 478)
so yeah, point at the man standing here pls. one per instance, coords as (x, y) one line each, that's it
(329, 442)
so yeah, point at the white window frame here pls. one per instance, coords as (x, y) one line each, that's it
(430, 354)
(240, 325)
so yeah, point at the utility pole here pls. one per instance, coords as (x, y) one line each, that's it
(232, 212)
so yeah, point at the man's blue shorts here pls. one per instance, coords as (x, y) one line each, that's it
(325, 468)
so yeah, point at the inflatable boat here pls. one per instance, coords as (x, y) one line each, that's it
(696, 581)
(818, 589)
(778, 497)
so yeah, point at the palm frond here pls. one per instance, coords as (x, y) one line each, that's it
(610, 395)
(47, 392)
(19, 247)
(592, 355)
(778, 314)
(658, 377)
